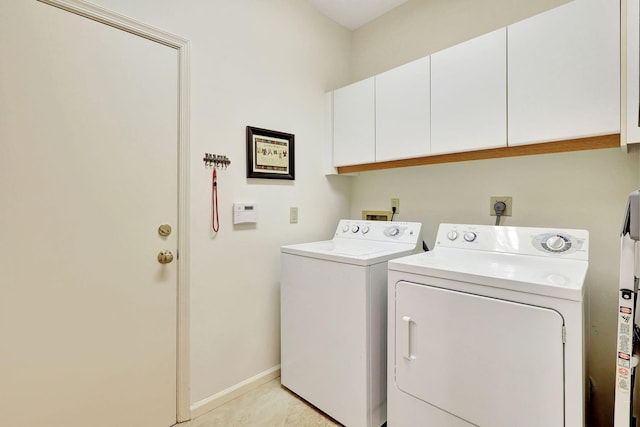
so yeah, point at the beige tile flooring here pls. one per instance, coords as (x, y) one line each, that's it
(269, 405)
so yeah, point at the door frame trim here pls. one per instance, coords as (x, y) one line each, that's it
(182, 46)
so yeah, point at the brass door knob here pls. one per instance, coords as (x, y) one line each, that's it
(165, 257)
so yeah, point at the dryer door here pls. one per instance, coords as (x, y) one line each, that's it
(487, 361)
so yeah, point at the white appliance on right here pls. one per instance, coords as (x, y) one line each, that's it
(488, 329)
(628, 320)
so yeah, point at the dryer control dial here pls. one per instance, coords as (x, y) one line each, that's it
(452, 235)
(365, 229)
(345, 228)
(470, 236)
(355, 229)
(556, 243)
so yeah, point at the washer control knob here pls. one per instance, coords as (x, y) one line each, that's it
(452, 235)
(345, 228)
(470, 236)
(393, 231)
(365, 229)
(355, 228)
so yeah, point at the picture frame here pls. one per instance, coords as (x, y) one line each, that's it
(270, 154)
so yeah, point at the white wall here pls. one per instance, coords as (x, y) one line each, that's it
(265, 64)
(578, 190)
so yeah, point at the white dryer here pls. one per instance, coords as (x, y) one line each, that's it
(488, 329)
(333, 318)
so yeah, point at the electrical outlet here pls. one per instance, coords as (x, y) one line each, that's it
(507, 201)
(293, 215)
(395, 203)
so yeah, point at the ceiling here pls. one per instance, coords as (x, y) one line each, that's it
(354, 13)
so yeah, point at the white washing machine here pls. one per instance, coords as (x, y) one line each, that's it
(488, 329)
(333, 318)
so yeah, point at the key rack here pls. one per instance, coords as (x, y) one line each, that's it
(216, 161)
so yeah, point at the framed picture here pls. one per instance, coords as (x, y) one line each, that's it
(270, 154)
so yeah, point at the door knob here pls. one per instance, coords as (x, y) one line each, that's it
(165, 257)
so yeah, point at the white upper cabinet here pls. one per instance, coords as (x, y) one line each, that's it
(633, 73)
(552, 77)
(354, 124)
(564, 73)
(402, 112)
(469, 95)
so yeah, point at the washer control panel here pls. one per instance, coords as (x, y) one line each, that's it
(388, 231)
(516, 240)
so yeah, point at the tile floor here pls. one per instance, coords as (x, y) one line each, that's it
(269, 405)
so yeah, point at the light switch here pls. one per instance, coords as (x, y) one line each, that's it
(293, 215)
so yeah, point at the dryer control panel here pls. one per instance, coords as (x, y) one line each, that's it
(569, 243)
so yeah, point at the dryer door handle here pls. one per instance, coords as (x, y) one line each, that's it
(407, 332)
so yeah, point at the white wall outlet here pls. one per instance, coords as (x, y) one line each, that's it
(293, 215)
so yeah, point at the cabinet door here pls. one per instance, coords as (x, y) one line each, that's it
(564, 73)
(402, 112)
(469, 95)
(354, 124)
(633, 72)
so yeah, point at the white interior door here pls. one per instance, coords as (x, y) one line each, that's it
(486, 361)
(88, 171)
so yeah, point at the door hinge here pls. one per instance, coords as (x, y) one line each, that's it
(564, 334)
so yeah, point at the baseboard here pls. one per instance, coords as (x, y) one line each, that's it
(205, 405)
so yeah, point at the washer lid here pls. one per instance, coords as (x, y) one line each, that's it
(350, 251)
(554, 277)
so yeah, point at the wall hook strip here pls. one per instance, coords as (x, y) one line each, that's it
(216, 161)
